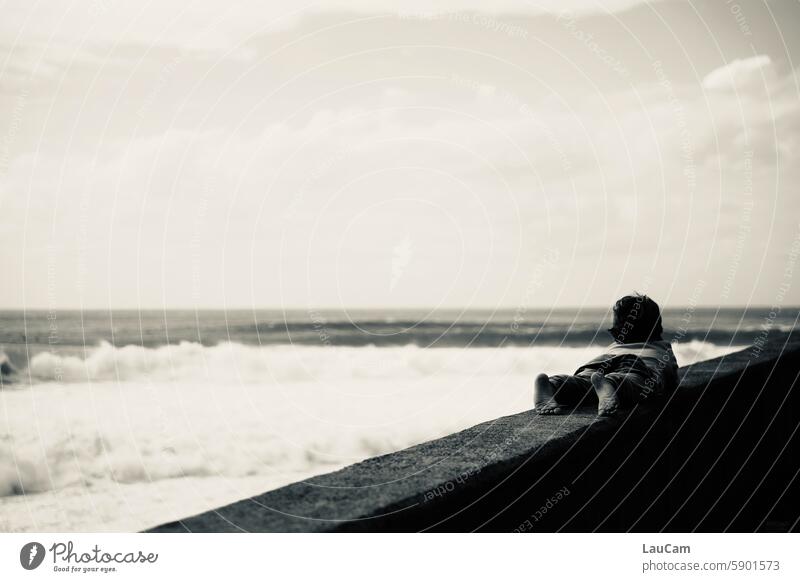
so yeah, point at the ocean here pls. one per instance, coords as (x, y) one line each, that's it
(117, 421)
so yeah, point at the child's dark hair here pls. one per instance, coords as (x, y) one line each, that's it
(637, 318)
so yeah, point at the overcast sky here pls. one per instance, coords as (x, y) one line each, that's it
(353, 153)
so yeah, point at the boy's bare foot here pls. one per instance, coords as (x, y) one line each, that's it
(543, 400)
(607, 399)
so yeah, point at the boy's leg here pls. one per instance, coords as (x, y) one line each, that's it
(635, 387)
(619, 389)
(558, 394)
(607, 395)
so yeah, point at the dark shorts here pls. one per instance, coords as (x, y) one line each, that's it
(632, 386)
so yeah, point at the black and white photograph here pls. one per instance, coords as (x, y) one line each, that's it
(379, 267)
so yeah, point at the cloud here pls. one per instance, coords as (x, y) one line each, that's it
(750, 74)
(196, 177)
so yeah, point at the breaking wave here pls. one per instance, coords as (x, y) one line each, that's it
(245, 363)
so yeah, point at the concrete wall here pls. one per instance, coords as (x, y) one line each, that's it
(720, 455)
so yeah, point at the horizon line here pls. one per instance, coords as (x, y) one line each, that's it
(421, 308)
